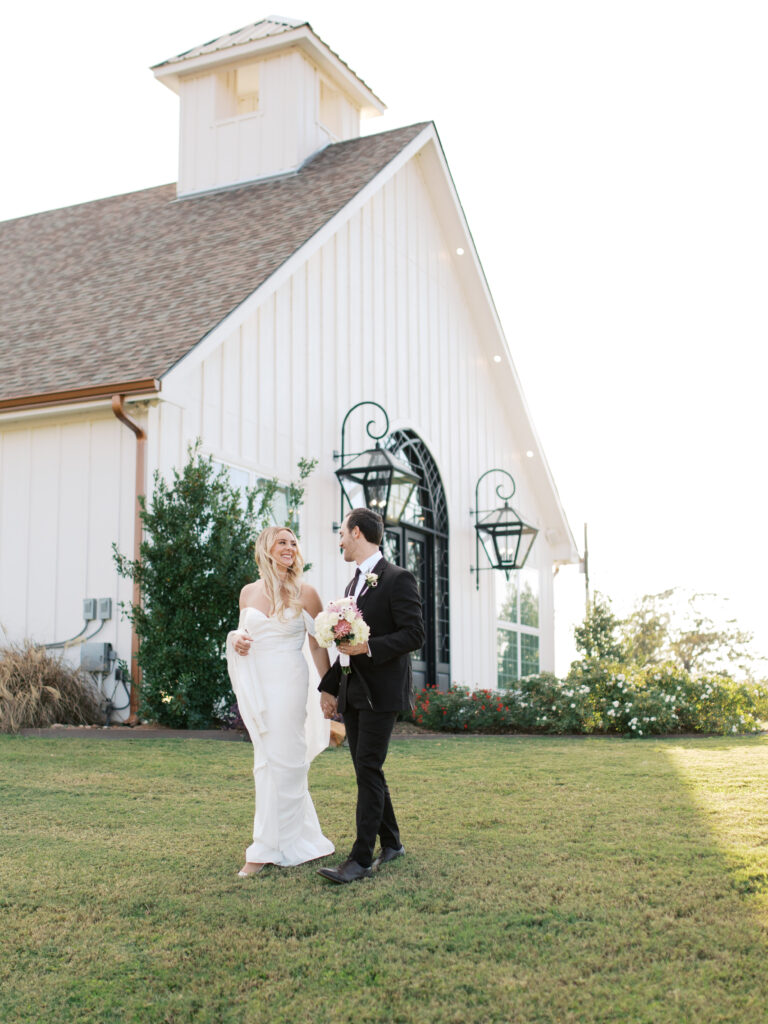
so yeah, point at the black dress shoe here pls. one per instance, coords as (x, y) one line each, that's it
(388, 854)
(347, 871)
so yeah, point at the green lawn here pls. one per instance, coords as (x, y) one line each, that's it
(560, 880)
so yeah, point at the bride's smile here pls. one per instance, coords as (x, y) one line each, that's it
(284, 549)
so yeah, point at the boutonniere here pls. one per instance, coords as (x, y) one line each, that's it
(371, 579)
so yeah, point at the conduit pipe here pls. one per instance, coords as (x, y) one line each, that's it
(141, 442)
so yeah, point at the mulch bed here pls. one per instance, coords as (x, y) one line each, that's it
(402, 731)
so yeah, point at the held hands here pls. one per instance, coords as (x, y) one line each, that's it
(328, 704)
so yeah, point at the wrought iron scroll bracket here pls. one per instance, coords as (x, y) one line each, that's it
(370, 429)
(477, 512)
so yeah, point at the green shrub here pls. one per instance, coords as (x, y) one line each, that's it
(38, 689)
(541, 703)
(196, 557)
(600, 697)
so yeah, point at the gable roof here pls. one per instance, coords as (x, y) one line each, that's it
(118, 290)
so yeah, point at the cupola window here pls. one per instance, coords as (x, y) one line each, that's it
(238, 91)
(330, 109)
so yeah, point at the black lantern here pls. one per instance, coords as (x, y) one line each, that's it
(374, 478)
(507, 540)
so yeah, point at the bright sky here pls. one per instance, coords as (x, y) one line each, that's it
(612, 159)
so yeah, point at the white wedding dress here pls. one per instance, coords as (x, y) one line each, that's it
(282, 714)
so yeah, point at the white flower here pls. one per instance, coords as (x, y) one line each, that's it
(615, 703)
(573, 705)
(371, 579)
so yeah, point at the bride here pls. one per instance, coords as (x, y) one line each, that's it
(281, 711)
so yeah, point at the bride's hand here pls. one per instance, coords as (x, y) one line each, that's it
(328, 704)
(242, 643)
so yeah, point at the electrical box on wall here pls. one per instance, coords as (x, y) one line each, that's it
(89, 608)
(105, 608)
(96, 658)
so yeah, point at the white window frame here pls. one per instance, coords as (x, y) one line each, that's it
(255, 476)
(519, 629)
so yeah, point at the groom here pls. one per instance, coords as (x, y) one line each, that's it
(378, 687)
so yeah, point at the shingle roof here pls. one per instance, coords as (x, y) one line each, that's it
(120, 289)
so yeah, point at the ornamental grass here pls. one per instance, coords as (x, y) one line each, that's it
(38, 689)
(601, 698)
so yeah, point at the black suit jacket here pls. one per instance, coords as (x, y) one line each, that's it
(392, 609)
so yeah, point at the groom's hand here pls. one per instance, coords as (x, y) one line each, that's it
(352, 649)
(328, 704)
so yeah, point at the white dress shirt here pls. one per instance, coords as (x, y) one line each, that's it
(365, 567)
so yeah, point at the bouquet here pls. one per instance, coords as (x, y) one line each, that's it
(341, 622)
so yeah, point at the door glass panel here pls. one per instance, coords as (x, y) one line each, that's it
(416, 563)
(442, 606)
(391, 547)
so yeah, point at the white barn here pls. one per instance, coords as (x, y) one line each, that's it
(295, 270)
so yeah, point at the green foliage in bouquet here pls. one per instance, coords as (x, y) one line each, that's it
(196, 557)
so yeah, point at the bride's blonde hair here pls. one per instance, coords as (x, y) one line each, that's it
(283, 591)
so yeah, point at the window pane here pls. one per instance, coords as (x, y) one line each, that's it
(506, 646)
(506, 597)
(279, 513)
(529, 597)
(330, 109)
(238, 478)
(247, 88)
(529, 655)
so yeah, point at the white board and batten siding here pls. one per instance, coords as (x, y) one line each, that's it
(377, 311)
(219, 144)
(72, 496)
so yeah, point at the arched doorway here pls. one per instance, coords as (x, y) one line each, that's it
(419, 543)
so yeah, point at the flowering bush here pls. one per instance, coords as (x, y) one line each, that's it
(600, 697)
(539, 704)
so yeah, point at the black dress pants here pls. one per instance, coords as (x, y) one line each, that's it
(368, 733)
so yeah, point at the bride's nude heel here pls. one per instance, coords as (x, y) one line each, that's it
(251, 874)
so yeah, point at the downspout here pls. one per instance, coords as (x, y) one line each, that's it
(141, 442)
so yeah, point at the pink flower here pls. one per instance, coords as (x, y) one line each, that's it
(342, 628)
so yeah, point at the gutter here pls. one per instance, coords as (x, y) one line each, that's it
(74, 395)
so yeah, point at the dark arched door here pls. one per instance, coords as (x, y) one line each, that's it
(420, 544)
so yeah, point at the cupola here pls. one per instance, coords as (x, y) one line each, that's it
(258, 102)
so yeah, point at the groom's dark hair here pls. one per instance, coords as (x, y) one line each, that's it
(370, 523)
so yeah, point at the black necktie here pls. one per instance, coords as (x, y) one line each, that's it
(353, 585)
